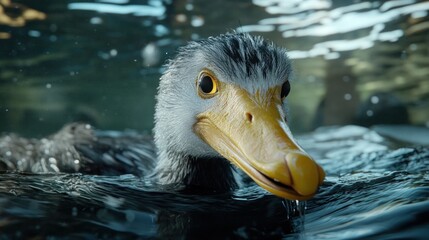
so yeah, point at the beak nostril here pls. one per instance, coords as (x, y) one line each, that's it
(249, 116)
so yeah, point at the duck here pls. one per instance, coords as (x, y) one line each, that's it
(220, 118)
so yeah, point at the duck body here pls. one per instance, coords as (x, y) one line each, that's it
(221, 106)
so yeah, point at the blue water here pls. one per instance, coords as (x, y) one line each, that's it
(371, 192)
(356, 62)
(99, 61)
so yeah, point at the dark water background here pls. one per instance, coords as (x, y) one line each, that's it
(356, 62)
(371, 192)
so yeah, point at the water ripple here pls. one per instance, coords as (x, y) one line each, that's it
(368, 20)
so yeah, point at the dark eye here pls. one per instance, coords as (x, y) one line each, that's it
(207, 84)
(285, 90)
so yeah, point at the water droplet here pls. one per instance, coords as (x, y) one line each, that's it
(347, 96)
(197, 21)
(374, 99)
(96, 20)
(8, 153)
(74, 211)
(189, 7)
(76, 161)
(369, 113)
(34, 33)
(161, 30)
(181, 18)
(295, 209)
(48, 86)
(113, 52)
(151, 55)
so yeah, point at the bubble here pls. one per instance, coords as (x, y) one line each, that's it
(96, 20)
(181, 18)
(34, 33)
(197, 21)
(113, 52)
(374, 99)
(189, 7)
(74, 211)
(347, 96)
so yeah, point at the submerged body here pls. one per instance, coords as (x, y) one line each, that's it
(221, 101)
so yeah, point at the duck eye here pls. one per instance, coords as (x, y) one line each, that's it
(285, 90)
(207, 85)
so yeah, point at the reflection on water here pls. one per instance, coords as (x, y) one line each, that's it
(362, 62)
(371, 192)
(155, 9)
(378, 46)
(323, 18)
(98, 61)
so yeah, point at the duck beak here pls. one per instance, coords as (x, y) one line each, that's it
(250, 131)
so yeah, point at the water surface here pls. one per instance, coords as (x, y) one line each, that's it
(371, 192)
(356, 62)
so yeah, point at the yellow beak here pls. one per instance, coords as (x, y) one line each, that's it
(250, 131)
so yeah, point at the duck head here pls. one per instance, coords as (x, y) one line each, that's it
(225, 97)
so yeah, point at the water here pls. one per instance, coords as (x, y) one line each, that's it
(370, 192)
(98, 61)
(360, 62)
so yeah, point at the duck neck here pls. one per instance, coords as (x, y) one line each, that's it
(195, 174)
